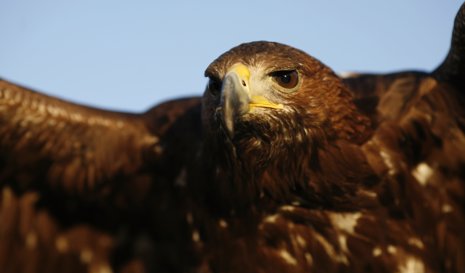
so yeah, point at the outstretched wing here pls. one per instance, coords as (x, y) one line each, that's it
(71, 176)
(45, 141)
(419, 146)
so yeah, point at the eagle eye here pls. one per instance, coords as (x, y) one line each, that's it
(286, 78)
(214, 85)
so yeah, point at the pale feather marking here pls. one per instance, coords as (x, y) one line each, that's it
(287, 257)
(377, 251)
(345, 221)
(86, 256)
(422, 173)
(412, 265)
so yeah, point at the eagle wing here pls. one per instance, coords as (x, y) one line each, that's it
(71, 176)
(49, 142)
(418, 148)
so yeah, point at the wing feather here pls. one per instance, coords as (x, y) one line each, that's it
(67, 144)
(45, 141)
(71, 176)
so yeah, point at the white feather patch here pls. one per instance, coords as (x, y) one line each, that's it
(412, 265)
(287, 257)
(422, 173)
(345, 221)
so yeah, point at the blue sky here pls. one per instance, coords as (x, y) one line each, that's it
(130, 55)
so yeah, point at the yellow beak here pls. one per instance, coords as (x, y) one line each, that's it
(237, 98)
(260, 101)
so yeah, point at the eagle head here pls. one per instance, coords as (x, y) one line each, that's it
(267, 106)
(263, 90)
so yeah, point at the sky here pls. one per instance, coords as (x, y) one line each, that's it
(131, 55)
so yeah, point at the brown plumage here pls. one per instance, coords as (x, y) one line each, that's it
(281, 166)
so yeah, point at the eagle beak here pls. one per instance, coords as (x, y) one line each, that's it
(237, 98)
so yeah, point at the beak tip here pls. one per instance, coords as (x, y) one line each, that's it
(229, 124)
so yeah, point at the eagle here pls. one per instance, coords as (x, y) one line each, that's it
(281, 166)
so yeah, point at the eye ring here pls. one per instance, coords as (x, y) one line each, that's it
(287, 79)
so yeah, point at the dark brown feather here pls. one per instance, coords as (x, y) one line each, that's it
(80, 148)
(87, 169)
